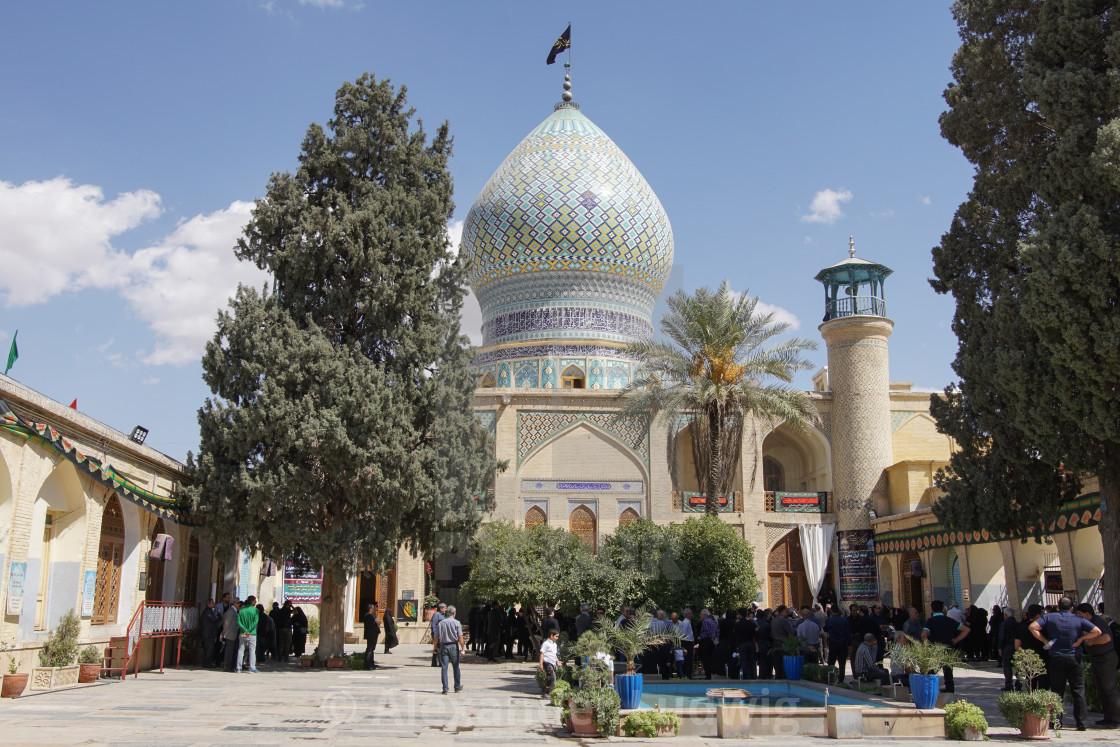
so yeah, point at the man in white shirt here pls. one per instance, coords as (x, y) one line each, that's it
(684, 627)
(956, 613)
(549, 660)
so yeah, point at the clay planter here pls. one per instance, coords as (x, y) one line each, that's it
(48, 678)
(14, 685)
(1034, 727)
(666, 730)
(88, 673)
(428, 613)
(583, 722)
(567, 723)
(336, 662)
(972, 734)
(305, 661)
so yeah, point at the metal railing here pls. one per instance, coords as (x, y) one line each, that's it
(855, 306)
(158, 620)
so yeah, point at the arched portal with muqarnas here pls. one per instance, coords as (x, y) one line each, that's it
(535, 517)
(110, 558)
(581, 523)
(155, 570)
(785, 572)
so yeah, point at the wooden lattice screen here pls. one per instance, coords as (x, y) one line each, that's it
(534, 517)
(628, 516)
(110, 557)
(582, 524)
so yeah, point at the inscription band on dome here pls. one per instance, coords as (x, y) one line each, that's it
(536, 320)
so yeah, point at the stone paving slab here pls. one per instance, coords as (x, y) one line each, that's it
(399, 704)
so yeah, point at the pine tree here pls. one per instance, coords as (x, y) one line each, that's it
(1031, 255)
(341, 425)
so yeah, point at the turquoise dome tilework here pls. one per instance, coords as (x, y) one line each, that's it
(567, 241)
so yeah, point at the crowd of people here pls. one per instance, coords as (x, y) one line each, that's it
(236, 634)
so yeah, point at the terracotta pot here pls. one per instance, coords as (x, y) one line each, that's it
(428, 612)
(305, 661)
(14, 685)
(336, 662)
(972, 734)
(583, 722)
(1034, 727)
(568, 723)
(88, 673)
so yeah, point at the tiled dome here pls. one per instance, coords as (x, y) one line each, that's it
(567, 241)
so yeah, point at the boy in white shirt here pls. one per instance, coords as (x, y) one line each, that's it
(549, 660)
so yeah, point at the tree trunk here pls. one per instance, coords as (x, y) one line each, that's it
(715, 459)
(1109, 476)
(332, 616)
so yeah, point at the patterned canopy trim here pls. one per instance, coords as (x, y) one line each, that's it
(1077, 514)
(168, 507)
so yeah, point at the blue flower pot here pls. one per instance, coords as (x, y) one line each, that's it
(629, 687)
(794, 665)
(923, 689)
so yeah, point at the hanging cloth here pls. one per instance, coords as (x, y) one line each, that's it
(816, 545)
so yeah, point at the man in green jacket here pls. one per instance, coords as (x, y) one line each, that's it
(247, 619)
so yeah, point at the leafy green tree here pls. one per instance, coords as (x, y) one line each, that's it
(341, 422)
(716, 568)
(1030, 256)
(715, 372)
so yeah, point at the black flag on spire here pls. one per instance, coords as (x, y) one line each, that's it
(561, 44)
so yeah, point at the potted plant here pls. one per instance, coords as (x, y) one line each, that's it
(925, 660)
(306, 660)
(792, 660)
(965, 722)
(594, 711)
(631, 640)
(15, 682)
(653, 723)
(1033, 710)
(89, 664)
(430, 602)
(57, 656)
(336, 662)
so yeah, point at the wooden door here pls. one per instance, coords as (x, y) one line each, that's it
(582, 524)
(628, 516)
(155, 571)
(110, 557)
(190, 583)
(785, 568)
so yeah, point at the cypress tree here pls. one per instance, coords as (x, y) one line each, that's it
(341, 423)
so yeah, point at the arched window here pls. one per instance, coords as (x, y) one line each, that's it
(155, 571)
(773, 477)
(534, 517)
(628, 516)
(110, 556)
(582, 524)
(488, 380)
(573, 378)
(190, 583)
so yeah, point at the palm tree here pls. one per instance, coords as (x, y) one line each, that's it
(712, 373)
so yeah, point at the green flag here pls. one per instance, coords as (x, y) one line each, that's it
(12, 354)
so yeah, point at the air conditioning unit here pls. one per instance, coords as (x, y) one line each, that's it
(162, 546)
(916, 569)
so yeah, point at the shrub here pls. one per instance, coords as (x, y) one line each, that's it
(560, 694)
(357, 661)
(925, 657)
(61, 648)
(959, 715)
(606, 704)
(648, 723)
(89, 655)
(1040, 703)
(312, 627)
(820, 673)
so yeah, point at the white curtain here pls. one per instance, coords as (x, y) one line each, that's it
(816, 544)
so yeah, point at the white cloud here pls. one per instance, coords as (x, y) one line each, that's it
(924, 199)
(150, 381)
(825, 207)
(324, 3)
(56, 236)
(888, 213)
(780, 315)
(179, 285)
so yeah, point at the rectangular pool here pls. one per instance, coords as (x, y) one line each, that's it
(686, 694)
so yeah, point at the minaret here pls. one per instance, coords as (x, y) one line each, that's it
(856, 329)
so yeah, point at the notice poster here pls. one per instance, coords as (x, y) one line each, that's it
(859, 578)
(302, 583)
(406, 610)
(89, 591)
(1054, 582)
(17, 573)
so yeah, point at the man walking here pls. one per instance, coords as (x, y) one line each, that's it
(1103, 660)
(433, 624)
(940, 628)
(248, 618)
(448, 645)
(1064, 634)
(372, 633)
(229, 635)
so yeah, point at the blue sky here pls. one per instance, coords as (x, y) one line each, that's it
(136, 136)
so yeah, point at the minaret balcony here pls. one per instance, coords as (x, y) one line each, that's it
(855, 306)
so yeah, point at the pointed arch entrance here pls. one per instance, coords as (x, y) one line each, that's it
(190, 583)
(785, 571)
(155, 570)
(581, 523)
(535, 517)
(627, 516)
(110, 557)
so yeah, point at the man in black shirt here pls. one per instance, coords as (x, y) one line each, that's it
(372, 632)
(940, 628)
(1025, 640)
(1102, 658)
(746, 633)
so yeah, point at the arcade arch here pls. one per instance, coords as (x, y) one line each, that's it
(56, 549)
(795, 460)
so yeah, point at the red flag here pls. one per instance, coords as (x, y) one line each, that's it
(74, 404)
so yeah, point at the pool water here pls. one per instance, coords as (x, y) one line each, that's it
(765, 694)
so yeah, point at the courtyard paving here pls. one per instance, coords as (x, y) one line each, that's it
(400, 703)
